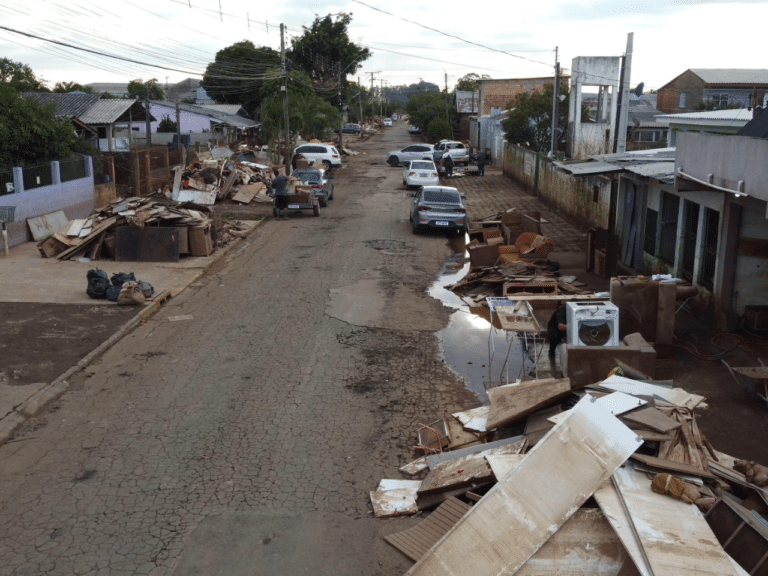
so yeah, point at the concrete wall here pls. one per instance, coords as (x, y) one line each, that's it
(75, 198)
(585, 139)
(573, 197)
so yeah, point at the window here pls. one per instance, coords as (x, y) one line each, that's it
(709, 248)
(595, 193)
(681, 103)
(719, 100)
(647, 136)
(670, 207)
(690, 238)
(650, 231)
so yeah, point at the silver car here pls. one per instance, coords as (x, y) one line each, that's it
(412, 152)
(320, 182)
(420, 173)
(438, 207)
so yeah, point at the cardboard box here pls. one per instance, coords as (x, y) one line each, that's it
(483, 255)
(200, 243)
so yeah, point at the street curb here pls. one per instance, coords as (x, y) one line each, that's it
(56, 389)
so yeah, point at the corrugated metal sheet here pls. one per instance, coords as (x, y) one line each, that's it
(589, 168)
(219, 117)
(728, 115)
(653, 169)
(106, 111)
(68, 105)
(231, 109)
(732, 76)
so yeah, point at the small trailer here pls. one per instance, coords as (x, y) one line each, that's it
(301, 200)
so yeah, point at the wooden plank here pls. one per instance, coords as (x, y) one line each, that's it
(607, 497)
(503, 464)
(224, 190)
(43, 226)
(460, 437)
(521, 512)
(585, 544)
(474, 419)
(671, 466)
(434, 459)
(427, 501)
(102, 227)
(514, 401)
(674, 535)
(676, 396)
(414, 542)
(247, 193)
(463, 471)
(651, 418)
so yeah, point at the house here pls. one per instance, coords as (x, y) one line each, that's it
(118, 89)
(497, 95)
(717, 87)
(643, 129)
(466, 107)
(101, 118)
(728, 121)
(488, 133)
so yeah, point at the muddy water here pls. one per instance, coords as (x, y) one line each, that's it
(469, 346)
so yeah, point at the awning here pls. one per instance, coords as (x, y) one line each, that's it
(589, 168)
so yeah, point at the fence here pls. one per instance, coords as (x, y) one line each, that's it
(36, 176)
(72, 169)
(6, 183)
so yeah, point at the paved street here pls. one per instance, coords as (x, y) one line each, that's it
(246, 440)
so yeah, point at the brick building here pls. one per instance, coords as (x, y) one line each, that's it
(718, 87)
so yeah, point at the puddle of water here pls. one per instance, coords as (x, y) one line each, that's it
(468, 345)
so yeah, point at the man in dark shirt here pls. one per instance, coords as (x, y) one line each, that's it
(279, 191)
(448, 164)
(482, 158)
(557, 328)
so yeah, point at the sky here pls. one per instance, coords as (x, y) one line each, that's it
(411, 40)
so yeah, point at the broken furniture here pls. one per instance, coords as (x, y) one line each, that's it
(754, 379)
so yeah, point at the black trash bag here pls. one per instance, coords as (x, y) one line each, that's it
(554, 266)
(146, 288)
(97, 273)
(120, 278)
(113, 292)
(97, 288)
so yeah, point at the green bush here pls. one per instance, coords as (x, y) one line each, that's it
(439, 129)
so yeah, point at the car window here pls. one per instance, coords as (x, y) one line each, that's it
(456, 145)
(411, 149)
(333, 148)
(422, 166)
(441, 196)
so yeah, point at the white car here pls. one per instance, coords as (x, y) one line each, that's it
(420, 173)
(413, 129)
(387, 121)
(324, 154)
(412, 152)
(457, 150)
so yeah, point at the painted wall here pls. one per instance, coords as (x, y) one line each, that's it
(75, 198)
(573, 197)
(751, 284)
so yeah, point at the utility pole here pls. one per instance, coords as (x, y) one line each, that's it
(555, 100)
(178, 133)
(381, 98)
(148, 122)
(446, 82)
(620, 141)
(341, 112)
(287, 135)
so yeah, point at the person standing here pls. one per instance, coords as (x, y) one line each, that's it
(448, 164)
(482, 158)
(279, 190)
(557, 328)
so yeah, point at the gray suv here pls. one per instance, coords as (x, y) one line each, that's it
(319, 181)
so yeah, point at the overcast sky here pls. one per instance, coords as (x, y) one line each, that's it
(501, 39)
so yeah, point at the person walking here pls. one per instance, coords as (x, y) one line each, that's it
(481, 158)
(279, 191)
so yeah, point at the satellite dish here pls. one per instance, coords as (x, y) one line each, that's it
(639, 89)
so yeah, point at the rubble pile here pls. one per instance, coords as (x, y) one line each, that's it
(613, 477)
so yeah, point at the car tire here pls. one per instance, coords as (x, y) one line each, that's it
(330, 196)
(316, 210)
(323, 203)
(327, 164)
(393, 161)
(414, 226)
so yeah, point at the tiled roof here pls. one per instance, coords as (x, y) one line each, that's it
(732, 75)
(727, 115)
(68, 105)
(231, 109)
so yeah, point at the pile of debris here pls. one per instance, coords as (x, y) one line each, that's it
(149, 228)
(610, 478)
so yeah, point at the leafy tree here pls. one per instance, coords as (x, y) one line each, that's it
(530, 120)
(238, 74)
(325, 50)
(108, 96)
(424, 107)
(20, 77)
(64, 87)
(138, 89)
(30, 131)
(167, 125)
(439, 129)
(471, 82)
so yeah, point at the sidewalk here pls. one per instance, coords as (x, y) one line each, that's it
(51, 328)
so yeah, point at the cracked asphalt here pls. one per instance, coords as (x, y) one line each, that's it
(247, 439)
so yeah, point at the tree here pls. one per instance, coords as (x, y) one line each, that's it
(138, 89)
(167, 125)
(238, 74)
(64, 87)
(324, 51)
(530, 119)
(20, 77)
(108, 96)
(30, 131)
(471, 82)
(424, 107)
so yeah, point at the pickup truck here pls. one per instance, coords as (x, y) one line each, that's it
(457, 150)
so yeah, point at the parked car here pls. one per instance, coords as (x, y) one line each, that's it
(324, 153)
(439, 207)
(413, 129)
(420, 173)
(351, 129)
(394, 117)
(412, 152)
(387, 121)
(319, 181)
(458, 151)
